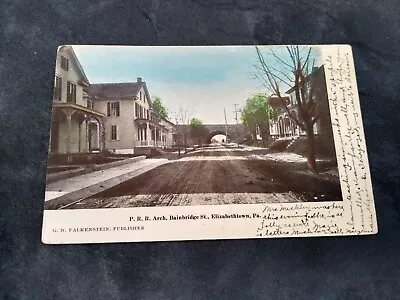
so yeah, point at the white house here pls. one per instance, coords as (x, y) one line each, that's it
(169, 132)
(131, 125)
(76, 127)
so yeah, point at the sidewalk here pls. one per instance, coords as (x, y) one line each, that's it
(65, 191)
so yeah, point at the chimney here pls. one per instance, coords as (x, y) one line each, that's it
(139, 79)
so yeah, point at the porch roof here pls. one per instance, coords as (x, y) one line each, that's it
(77, 107)
(142, 121)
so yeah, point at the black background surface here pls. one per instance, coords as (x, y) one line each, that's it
(310, 268)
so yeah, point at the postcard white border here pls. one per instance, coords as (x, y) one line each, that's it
(355, 215)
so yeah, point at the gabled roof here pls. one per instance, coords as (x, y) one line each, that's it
(76, 62)
(116, 91)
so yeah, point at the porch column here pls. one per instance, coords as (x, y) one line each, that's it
(98, 134)
(148, 134)
(69, 131)
(79, 137)
(102, 136)
(87, 134)
(157, 133)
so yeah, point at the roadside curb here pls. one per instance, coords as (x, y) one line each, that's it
(81, 170)
(70, 198)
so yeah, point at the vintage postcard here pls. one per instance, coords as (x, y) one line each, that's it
(218, 142)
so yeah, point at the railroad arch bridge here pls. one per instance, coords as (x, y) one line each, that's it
(235, 132)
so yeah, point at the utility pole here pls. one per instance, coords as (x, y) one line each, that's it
(226, 128)
(237, 121)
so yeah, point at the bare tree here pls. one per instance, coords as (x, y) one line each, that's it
(182, 119)
(294, 72)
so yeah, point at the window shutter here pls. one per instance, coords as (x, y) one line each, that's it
(117, 108)
(108, 108)
(68, 91)
(117, 132)
(74, 93)
(59, 88)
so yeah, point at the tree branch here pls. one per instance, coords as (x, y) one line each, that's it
(294, 118)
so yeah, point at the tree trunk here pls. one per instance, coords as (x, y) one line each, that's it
(265, 133)
(179, 145)
(185, 142)
(311, 149)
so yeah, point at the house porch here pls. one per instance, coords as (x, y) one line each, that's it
(75, 129)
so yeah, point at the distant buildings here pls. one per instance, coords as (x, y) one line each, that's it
(117, 117)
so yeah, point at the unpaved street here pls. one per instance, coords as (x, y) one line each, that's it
(221, 175)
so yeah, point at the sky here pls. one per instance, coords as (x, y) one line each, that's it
(204, 81)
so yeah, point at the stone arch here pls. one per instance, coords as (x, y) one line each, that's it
(214, 133)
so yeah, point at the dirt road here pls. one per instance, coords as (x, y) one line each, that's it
(220, 175)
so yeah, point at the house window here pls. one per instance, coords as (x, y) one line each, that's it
(114, 132)
(64, 63)
(57, 88)
(71, 92)
(148, 114)
(141, 134)
(113, 109)
(136, 110)
(90, 104)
